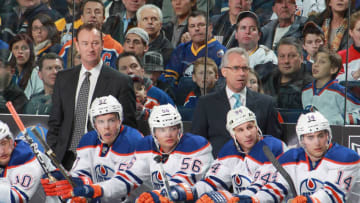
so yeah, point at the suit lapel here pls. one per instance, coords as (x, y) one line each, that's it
(222, 97)
(250, 97)
(102, 83)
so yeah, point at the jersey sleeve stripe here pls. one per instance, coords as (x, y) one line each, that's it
(86, 147)
(86, 173)
(210, 183)
(276, 191)
(138, 180)
(282, 187)
(12, 198)
(330, 196)
(335, 194)
(184, 177)
(126, 183)
(271, 194)
(218, 181)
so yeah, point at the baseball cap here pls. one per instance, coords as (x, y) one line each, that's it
(153, 61)
(250, 14)
(140, 32)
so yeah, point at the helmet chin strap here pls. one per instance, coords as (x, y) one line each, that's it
(102, 141)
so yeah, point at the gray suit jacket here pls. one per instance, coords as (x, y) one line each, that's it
(211, 110)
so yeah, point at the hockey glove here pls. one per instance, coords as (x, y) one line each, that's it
(152, 197)
(183, 192)
(88, 191)
(218, 197)
(302, 199)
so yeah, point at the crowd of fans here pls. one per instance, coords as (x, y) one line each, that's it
(162, 46)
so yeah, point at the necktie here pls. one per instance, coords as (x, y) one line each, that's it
(238, 101)
(80, 112)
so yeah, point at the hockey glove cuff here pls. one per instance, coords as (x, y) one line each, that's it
(302, 199)
(183, 192)
(152, 197)
(218, 197)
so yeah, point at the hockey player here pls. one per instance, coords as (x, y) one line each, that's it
(238, 161)
(20, 171)
(103, 151)
(180, 157)
(326, 95)
(321, 171)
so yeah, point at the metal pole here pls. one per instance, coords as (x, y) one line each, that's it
(206, 43)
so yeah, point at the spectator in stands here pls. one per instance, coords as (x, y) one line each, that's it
(186, 53)
(248, 36)
(210, 112)
(143, 105)
(313, 39)
(326, 95)
(149, 18)
(41, 103)
(286, 82)
(254, 82)
(130, 64)
(137, 42)
(175, 28)
(354, 51)
(23, 64)
(64, 25)
(9, 91)
(333, 21)
(19, 18)
(198, 78)
(154, 67)
(225, 23)
(263, 8)
(92, 11)
(286, 25)
(308, 8)
(118, 25)
(45, 35)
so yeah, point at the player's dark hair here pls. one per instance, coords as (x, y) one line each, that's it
(126, 54)
(89, 27)
(335, 59)
(50, 56)
(293, 42)
(197, 13)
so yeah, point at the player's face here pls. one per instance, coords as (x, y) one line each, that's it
(150, 22)
(167, 137)
(93, 13)
(322, 68)
(140, 92)
(247, 33)
(316, 144)
(289, 60)
(355, 34)
(236, 72)
(134, 44)
(182, 7)
(130, 66)
(237, 6)
(89, 45)
(50, 68)
(338, 5)
(197, 29)
(284, 9)
(21, 51)
(211, 77)
(39, 31)
(246, 134)
(108, 126)
(252, 82)
(312, 43)
(6, 148)
(133, 5)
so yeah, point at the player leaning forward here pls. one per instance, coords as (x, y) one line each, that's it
(100, 153)
(184, 158)
(20, 171)
(238, 162)
(322, 171)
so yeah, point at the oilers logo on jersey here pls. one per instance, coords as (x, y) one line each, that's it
(103, 173)
(240, 182)
(309, 186)
(157, 180)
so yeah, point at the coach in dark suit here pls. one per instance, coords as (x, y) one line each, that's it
(211, 110)
(103, 81)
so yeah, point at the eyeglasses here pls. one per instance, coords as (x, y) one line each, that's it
(36, 29)
(237, 68)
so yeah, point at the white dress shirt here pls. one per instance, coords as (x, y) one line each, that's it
(232, 99)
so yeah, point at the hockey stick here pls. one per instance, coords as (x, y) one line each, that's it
(22, 128)
(159, 160)
(281, 170)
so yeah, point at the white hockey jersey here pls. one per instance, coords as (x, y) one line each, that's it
(236, 169)
(262, 55)
(329, 180)
(353, 64)
(99, 161)
(329, 101)
(20, 179)
(188, 163)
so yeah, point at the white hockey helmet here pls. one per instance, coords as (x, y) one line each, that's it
(105, 105)
(164, 116)
(312, 122)
(238, 116)
(5, 131)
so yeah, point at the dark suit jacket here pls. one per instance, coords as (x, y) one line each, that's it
(211, 110)
(61, 118)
